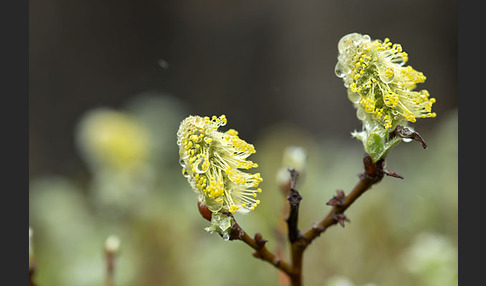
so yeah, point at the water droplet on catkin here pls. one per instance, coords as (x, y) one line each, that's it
(202, 165)
(339, 70)
(354, 97)
(185, 173)
(360, 113)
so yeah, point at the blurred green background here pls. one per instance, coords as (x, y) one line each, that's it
(110, 82)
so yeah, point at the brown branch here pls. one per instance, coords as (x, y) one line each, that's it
(372, 174)
(111, 249)
(294, 199)
(282, 227)
(110, 268)
(261, 251)
(294, 234)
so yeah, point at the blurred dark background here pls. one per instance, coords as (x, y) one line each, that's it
(258, 62)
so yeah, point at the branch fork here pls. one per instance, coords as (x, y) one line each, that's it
(373, 172)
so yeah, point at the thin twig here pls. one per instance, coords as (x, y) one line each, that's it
(112, 245)
(372, 174)
(280, 232)
(261, 251)
(110, 267)
(294, 199)
(294, 234)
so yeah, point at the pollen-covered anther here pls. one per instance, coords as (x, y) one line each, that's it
(368, 104)
(389, 73)
(391, 99)
(233, 208)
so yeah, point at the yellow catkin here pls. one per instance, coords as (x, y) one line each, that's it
(376, 71)
(213, 163)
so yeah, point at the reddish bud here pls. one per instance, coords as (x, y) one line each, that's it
(340, 218)
(259, 239)
(391, 174)
(204, 211)
(404, 132)
(338, 200)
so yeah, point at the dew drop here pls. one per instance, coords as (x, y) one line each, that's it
(179, 138)
(197, 137)
(202, 165)
(387, 76)
(386, 79)
(226, 236)
(399, 60)
(185, 173)
(354, 97)
(183, 154)
(407, 140)
(182, 163)
(340, 70)
(360, 113)
(224, 224)
(349, 40)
